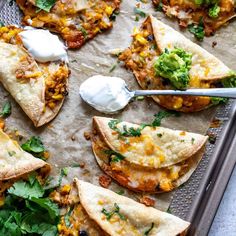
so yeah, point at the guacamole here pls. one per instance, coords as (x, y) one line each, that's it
(174, 65)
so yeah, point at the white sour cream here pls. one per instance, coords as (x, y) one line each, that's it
(106, 94)
(43, 46)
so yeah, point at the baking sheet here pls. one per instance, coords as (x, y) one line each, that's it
(64, 136)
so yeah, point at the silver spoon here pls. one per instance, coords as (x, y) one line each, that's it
(214, 92)
(111, 94)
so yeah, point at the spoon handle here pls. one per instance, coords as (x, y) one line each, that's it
(214, 92)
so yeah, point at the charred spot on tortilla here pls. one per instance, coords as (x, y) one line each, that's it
(168, 60)
(75, 21)
(200, 17)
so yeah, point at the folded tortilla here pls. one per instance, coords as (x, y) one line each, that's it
(15, 162)
(39, 88)
(118, 215)
(150, 41)
(158, 160)
(188, 13)
(76, 21)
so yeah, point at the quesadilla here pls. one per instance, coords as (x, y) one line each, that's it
(162, 58)
(144, 158)
(118, 215)
(74, 219)
(76, 21)
(202, 17)
(15, 163)
(39, 88)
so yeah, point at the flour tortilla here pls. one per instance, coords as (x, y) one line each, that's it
(154, 144)
(15, 162)
(29, 95)
(205, 66)
(138, 217)
(142, 179)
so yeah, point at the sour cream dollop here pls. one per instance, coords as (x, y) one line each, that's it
(106, 94)
(43, 46)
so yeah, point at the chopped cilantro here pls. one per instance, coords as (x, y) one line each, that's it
(217, 100)
(84, 32)
(168, 210)
(67, 216)
(230, 82)
(1, 24)
(159, 7)
(120, 192)
(125, 132)
(161, 115)
(149, 230)
(11, 153)
(116, 210)
(113, 67)
(139, 12)
(192, 140)
(214, 11)
(6, 110)
(159, 135)
(113, 15)
(115, 156)
(45, 5)
(34, 146)
(197, 30)
(63, 172)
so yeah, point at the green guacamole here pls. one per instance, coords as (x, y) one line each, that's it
(174, 65)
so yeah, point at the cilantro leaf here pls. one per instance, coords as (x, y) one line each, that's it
(130, 132)
(218, 100)
(48, 205)
(26, 190)
(139, 12)
(45, 5)
(149, 230)
(34, 145)
(116, 210)
(115, 156)
(161, 115)
(27, 211)
(229, 82)
(197, 30)
(214, 11)
(6, 110)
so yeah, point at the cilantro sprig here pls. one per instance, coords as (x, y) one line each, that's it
(6, 110)
(34, 146)
(197, 30)
(28, 211)
(115, 156)
(146, 233)
(137, 132)
(116, 211)
(45, 5)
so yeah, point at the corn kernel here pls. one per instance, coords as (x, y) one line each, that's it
(109, 10)
(141, 39)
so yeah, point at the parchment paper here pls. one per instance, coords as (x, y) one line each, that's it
(64, 136)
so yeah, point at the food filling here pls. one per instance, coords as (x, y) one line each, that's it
(75, 22)
(55, 74)
(135, 177)
(202, 17)
(165, 70)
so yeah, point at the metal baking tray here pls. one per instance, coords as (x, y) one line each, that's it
(197, 200)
